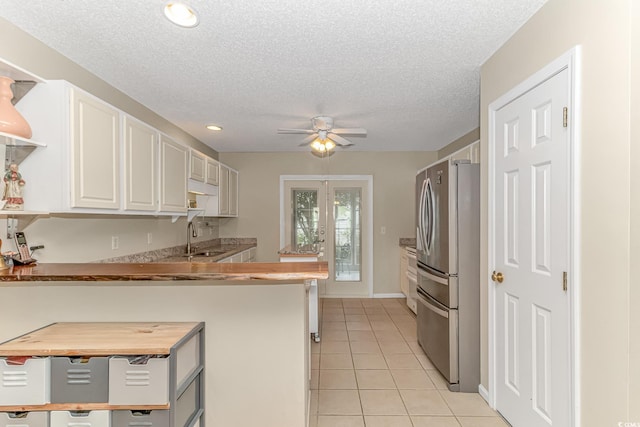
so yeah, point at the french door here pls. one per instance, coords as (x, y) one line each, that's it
(331, 217)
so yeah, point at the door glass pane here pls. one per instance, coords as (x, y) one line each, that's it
(305, 220)
(347, 241)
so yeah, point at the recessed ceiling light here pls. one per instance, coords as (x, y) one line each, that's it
(181, 14)
(214, 127)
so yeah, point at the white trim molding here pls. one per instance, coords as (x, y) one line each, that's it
(571, 61)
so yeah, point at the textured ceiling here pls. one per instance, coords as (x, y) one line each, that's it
(405, 70)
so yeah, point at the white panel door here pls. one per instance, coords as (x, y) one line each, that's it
(95, 153)
(173, 176)
(532, 344)
(140, 163)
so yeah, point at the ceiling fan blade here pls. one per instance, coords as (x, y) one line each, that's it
(349, 131)
(308, 139)
(296, 131)
(342, 142)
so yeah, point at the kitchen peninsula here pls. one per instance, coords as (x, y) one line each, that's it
(256, 317)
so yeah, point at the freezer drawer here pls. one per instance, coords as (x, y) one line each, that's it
(442, 287)
(437, 335)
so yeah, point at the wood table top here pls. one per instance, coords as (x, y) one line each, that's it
(99, 339)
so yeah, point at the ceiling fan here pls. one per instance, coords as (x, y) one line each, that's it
(324, 137)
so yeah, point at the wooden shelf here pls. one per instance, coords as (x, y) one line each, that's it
(80, 407)
(98, 339)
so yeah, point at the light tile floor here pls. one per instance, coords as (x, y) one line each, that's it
(368, 370)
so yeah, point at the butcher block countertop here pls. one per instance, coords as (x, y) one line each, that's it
(114, 272)
(99, 339)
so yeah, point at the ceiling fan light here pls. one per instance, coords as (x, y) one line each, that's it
(318, 145)
(329, 145)
(181, 14)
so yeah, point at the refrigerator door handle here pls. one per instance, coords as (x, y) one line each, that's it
(432, 277)
(432, 304)
(422, 245)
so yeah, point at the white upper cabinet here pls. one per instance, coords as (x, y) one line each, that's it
(470, 152)
(173, 176)
(98, 159)
(213, 172)
(197, 165)
(223, 192)
(140, 166)
(95, 153)
(233, 192)
(228, 191)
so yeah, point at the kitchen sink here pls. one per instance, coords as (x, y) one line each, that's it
(204, 254)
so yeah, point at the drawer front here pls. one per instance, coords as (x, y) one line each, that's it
(79, 382)
(26, 384)
(159, 418)
(24, 419)
(80, 419)
(131, 384)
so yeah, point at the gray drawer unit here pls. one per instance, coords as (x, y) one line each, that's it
(73, 382)
(79, 386)
(157, 418)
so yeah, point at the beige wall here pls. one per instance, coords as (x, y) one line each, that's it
(393, 199)
(466, 139)
(89, 238)
(602, 29)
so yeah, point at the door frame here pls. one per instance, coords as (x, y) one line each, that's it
(571, 61)
(367, 250)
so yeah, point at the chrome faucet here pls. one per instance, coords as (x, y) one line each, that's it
(191, 232)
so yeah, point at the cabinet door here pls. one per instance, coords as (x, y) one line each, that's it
(233, 193)
(173, 176)
(197, 166)
(223, 191)
(95, 156)
(213, 171)
(140, 158)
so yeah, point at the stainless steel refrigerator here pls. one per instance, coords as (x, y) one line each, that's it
(448, 258)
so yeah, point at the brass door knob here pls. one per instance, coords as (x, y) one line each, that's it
(497, 277)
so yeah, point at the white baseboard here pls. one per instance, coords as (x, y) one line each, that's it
(484, 393)
(398, 295)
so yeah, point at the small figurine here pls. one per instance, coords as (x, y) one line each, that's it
(13, 189)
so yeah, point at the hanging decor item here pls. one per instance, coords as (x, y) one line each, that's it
(11, 121)
(13, 184)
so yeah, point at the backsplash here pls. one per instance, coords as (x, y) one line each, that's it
(408, 241)
(154, 255)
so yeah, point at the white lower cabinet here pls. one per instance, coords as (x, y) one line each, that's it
(145, 374)
(248, 255)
